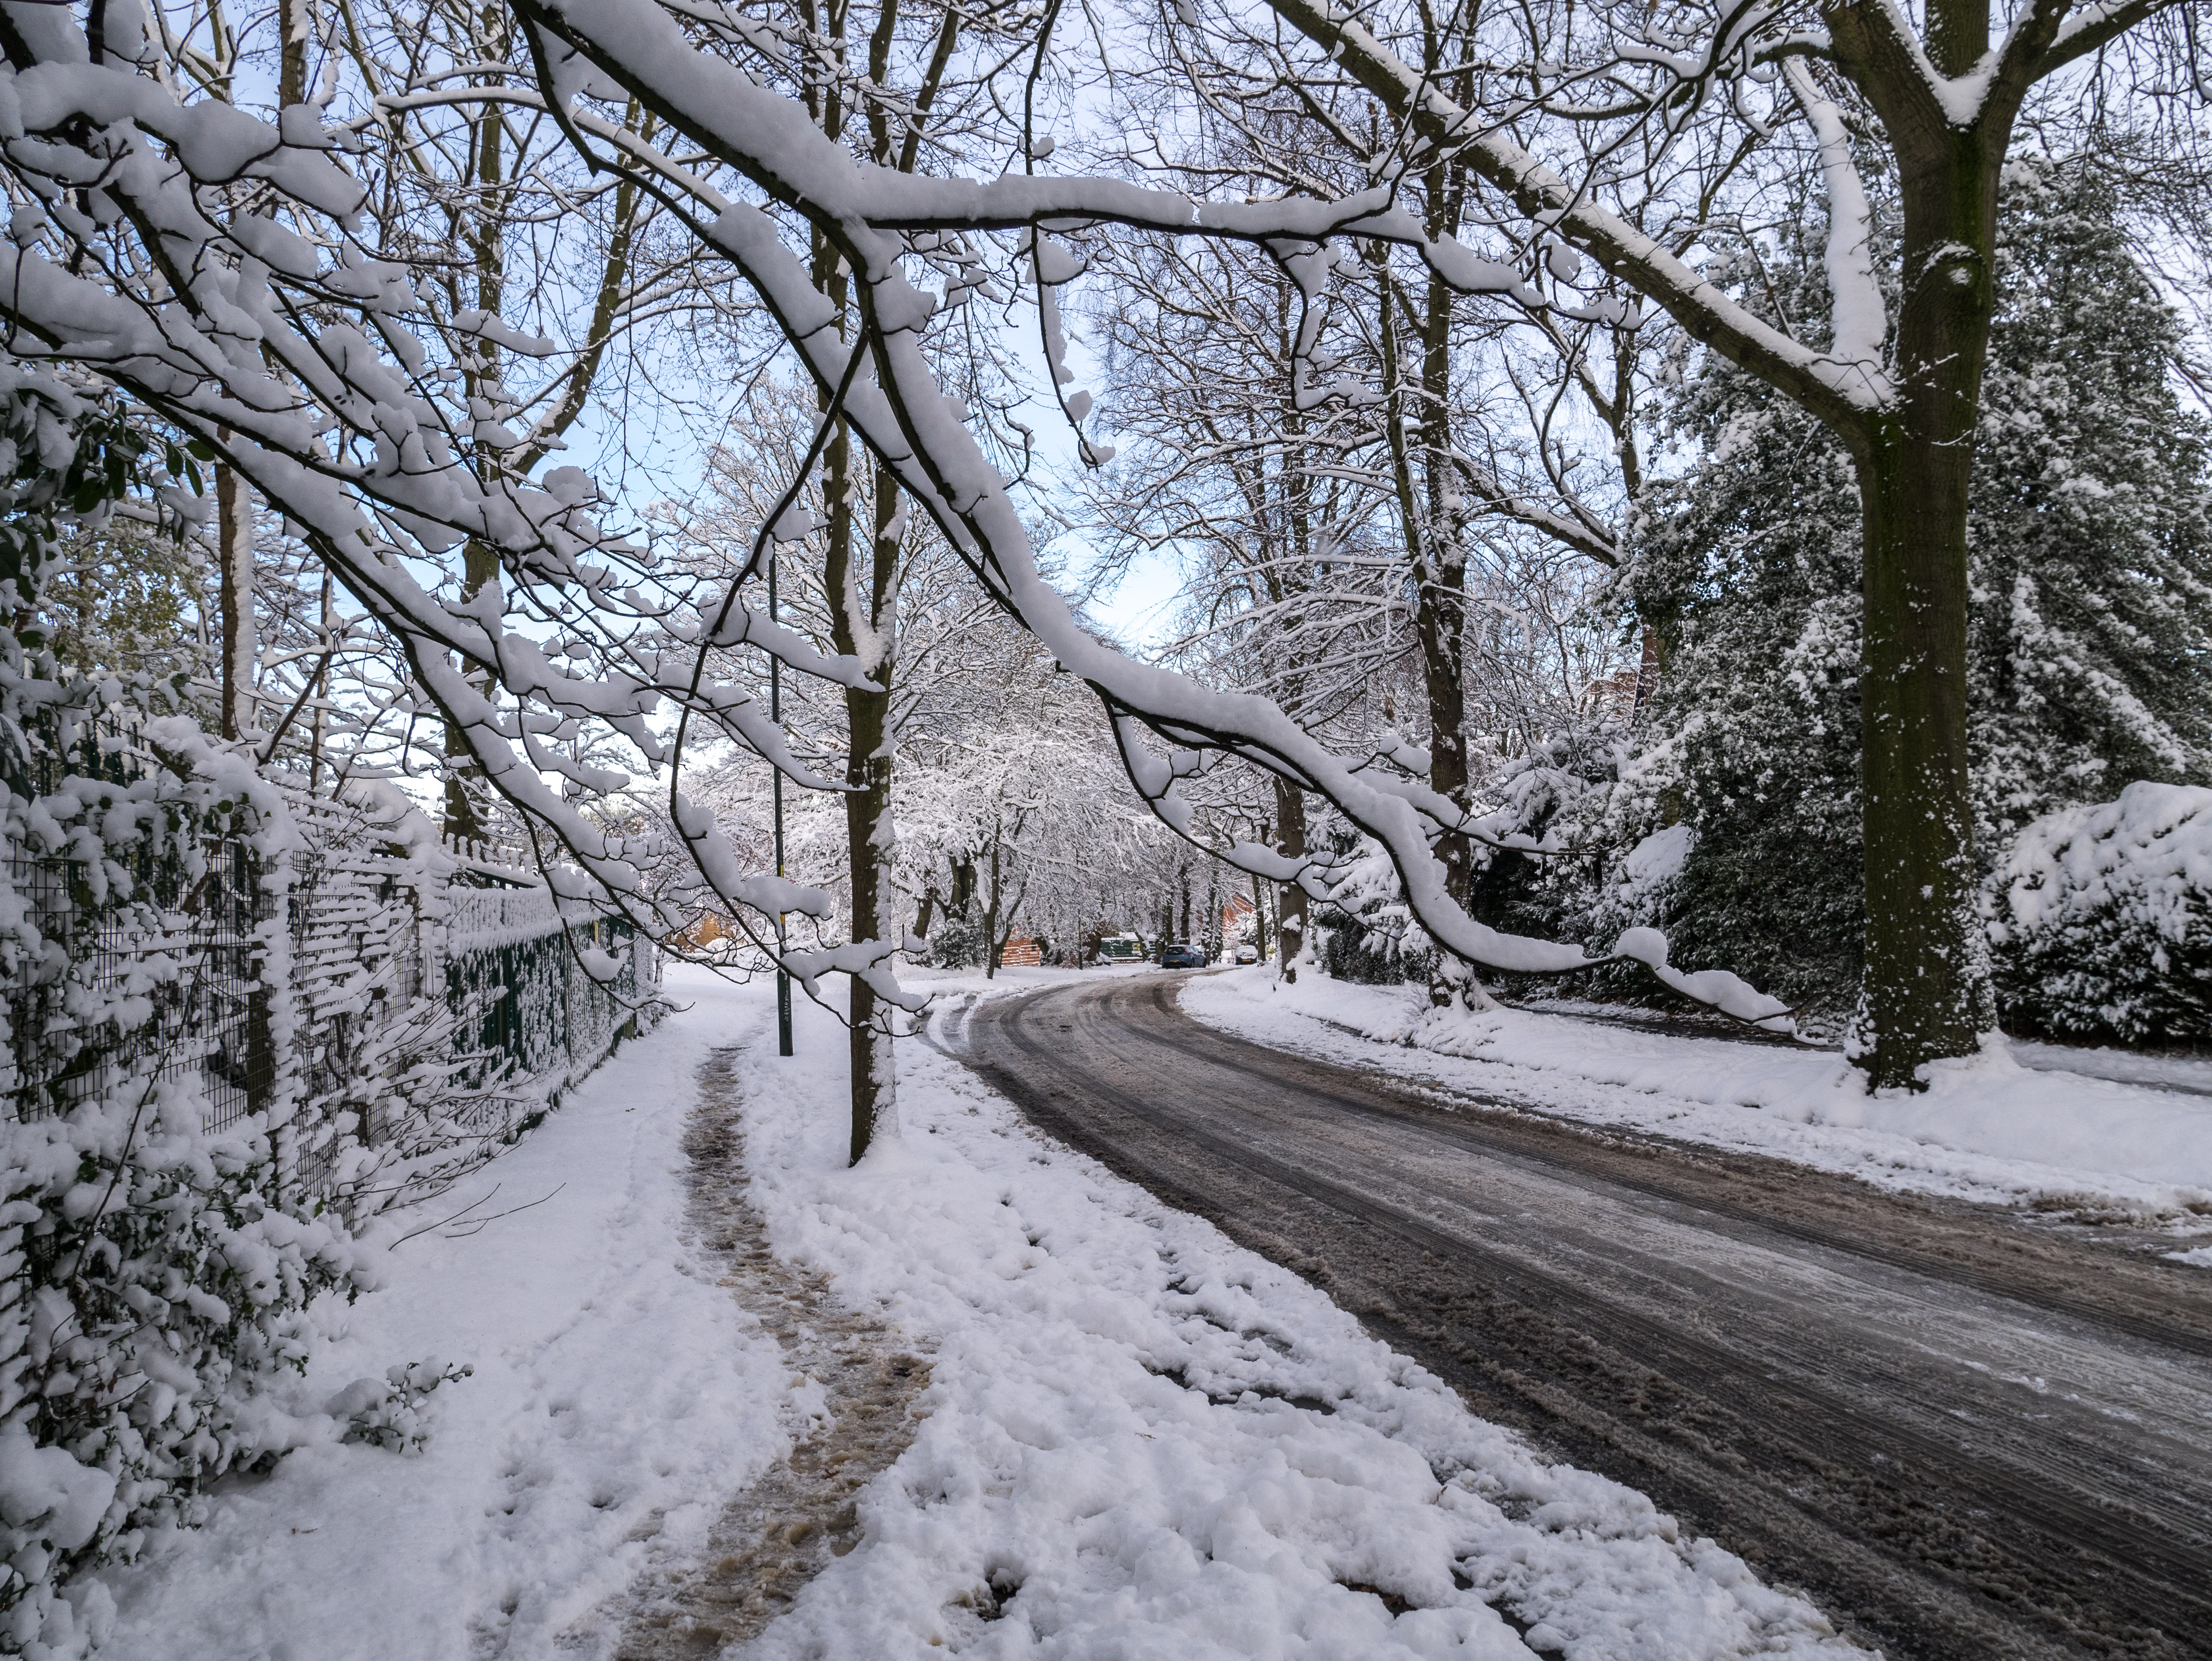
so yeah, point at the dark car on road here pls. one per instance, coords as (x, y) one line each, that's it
(1181, 954)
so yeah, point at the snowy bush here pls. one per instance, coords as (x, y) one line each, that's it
(386, 1412)
(155, 1288)
(1642, 889)
(1552, 798)
(156, 1277)
(1364, 932)
(2101, 919)
(957, 943)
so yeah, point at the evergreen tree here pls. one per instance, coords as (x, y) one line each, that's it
(2092, 523)
(2091, 541)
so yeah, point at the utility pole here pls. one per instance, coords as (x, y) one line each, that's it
(775, 714)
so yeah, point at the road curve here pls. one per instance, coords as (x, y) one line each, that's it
(1963, 1435)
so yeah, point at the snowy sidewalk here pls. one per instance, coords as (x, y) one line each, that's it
(1138, 1439)
(1987, 1129)
(620, 1396)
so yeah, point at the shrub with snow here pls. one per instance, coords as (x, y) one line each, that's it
(387, 1412)
(155, 1288)
(155, 1283)
(2101, 919)
(957, 943)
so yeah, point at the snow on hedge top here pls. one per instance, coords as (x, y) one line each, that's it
(2149, 853)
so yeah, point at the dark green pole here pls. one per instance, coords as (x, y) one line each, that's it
(775, 713)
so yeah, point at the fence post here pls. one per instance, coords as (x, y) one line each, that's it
(260, 1036)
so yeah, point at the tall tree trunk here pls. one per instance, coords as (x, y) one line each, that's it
(1429, 514)
(485, 237)
(860, 625)
(1291, 905)
(1927, 990)
(1440, 572)
(991, 914)
(293, 30)
(317, 734)
(464, 814)
(234, 559)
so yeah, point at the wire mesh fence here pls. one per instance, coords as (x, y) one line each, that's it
(387, 976)
(177, 958)
(537, 1009)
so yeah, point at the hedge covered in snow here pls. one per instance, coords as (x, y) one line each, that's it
(2100, 920)
(155, 1288)
(155, 1278)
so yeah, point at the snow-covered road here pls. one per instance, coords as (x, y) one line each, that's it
(1966, 1434)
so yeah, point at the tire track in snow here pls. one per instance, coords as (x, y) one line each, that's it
(777, 1535)
(1817, 1374)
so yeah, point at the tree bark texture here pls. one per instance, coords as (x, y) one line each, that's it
(1291, 906)
(1926, 994)
(234, 558)
(861, 622)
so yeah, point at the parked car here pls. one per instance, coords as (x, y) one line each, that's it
(1182, 954)
(1248, 952)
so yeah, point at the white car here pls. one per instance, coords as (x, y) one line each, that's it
(1248, 952)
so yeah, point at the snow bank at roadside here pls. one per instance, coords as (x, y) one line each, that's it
(1143, 1441)
(1987, 1128)
(620, 1396)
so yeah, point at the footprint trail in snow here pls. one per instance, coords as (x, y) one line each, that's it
(847, 1366)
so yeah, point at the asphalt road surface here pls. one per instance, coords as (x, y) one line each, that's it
(1963, 1432)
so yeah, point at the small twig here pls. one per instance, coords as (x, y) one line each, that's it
(442, 1221)
(478, 1227)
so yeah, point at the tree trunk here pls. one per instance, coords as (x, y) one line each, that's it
(1927, 990)
(463, 815)
(1429, 522)
(293, 26)
(860, 625)
(316, 734)
(991, 917)
(1290, 906)
(485, 237)
(1440, 570)
(234, 556)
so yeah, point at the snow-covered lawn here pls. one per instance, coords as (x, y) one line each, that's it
(1140, 1440)
(1988, 1130)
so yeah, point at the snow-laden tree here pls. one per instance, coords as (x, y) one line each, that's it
(1014, 814)
(875, 219)
(366, 413)
(171, 229)
(1282, 518)
(1562, 116)
(229, 272)
(2090, 563)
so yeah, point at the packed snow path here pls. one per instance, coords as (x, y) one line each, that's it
(780, 1532)
(1964, 1435)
